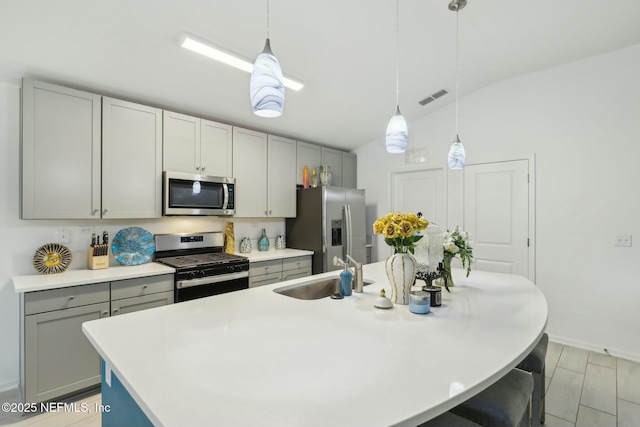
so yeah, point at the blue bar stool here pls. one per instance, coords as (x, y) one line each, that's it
(534, 363)
(506, 403)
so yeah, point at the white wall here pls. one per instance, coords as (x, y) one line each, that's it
(582, 121)
(20, 238)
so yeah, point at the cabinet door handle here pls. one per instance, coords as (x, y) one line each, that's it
(203, 168)
(95, 211)
(105, 313)
(284, 278)
(71, 297)
(145, 286)
(105, 211)
(269, 212)
(115, 311)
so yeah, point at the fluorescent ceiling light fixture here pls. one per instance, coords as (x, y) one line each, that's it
(208, 49)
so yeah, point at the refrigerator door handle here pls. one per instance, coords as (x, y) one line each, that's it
(349, 231)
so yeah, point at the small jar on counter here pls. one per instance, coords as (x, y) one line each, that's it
(436, 295)
(419, 302)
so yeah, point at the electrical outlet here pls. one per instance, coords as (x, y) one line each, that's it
(623, 240)
(64, 235)
(87, 230)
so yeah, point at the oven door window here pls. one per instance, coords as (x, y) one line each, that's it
(195, 194)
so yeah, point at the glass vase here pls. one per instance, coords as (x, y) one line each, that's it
(263, 243)
(325, 175)
(447, 269)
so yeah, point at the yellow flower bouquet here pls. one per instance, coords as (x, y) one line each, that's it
(399, 230)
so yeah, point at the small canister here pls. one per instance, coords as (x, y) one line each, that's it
(419, 302)
(436, 295)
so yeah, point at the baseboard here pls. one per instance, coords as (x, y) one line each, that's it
(621, 354)
(8, 386)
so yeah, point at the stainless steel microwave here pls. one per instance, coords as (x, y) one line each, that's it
(192, 194)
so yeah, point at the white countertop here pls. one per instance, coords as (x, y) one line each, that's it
(256, 255)
(41, 282)
(255, 357)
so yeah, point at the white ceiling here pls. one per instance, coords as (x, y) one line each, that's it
(343, 50)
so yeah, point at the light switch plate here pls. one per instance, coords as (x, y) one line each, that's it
(623, 240)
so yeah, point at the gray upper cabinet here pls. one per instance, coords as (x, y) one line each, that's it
(250, 166)
(310, 155)
(131, 160)
(333, 158)
(85, 157)
(194, 145)
(281, 177)
(265, 176)
(61, 144)
(349, 170)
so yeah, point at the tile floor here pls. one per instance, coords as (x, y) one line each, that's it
(587, 389)
(584, 389)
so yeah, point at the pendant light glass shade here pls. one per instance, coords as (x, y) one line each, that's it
(267, 88)
(456, 155)
(397, 133)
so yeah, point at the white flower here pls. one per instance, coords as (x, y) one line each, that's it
(452, 248)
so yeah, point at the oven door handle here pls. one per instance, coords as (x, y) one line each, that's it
(180, 284)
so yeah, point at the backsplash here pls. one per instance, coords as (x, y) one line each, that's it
(80, 235)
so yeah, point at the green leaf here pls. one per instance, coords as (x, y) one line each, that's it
(417, 237)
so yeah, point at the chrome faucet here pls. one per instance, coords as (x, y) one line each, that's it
(356, 270)
(357, 274)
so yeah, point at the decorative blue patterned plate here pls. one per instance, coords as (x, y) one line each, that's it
(133, 246)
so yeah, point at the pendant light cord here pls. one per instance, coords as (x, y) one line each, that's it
(267, 19)
(397, 52)
(457, 72)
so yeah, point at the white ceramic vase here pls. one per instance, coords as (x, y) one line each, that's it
(401, 272)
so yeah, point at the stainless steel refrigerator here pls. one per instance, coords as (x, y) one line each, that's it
(330, 222)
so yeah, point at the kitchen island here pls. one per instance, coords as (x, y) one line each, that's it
(259, 358)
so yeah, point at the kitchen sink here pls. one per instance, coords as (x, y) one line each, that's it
(314, 289)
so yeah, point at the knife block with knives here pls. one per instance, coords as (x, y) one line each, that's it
(99, 252)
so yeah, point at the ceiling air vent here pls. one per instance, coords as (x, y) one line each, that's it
(433, 97)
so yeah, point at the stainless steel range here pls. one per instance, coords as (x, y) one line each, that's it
(202, 269)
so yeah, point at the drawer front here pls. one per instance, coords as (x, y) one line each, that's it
(296, 263)
(265, 279)
(62, 298)
(141, 286)
(129, 305)
(265, 267)
(296, 274)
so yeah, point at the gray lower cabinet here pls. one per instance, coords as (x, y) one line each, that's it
(265, 272)
(273, 271)
(141, 293)
(57, 357)
(295, 268)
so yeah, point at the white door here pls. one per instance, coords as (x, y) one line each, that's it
(496, 214)
(421, 191)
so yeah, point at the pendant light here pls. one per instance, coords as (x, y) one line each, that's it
(397, 134)
(267, 88)
(456, 152)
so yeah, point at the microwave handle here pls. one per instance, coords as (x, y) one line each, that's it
(225, 189)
